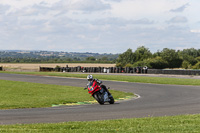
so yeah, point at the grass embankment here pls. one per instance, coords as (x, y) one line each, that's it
(138, 79)
(15, 94)
(172, 124)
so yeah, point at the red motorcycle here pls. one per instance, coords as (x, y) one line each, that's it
(100, 93)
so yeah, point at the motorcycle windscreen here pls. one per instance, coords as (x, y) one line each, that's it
(90, 87)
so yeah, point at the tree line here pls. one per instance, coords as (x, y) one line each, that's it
(142, 56)
(55, 59)
(167, 58)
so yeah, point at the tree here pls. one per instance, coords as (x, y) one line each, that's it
(142, 53)
(192, 52)
(186, 64)
(90, 58)
(154, 63)
(196, 66)
(157, 63)
(189, 55)
(172, 57)
(104, 58)
(127, 57)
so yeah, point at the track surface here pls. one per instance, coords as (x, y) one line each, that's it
(155, 100)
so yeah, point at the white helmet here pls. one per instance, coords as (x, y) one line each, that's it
(89, 77)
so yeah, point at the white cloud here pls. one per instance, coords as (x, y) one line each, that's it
(140, 8)
(89, 5)
(16, 5)
(181, 8)
(195, 31)
(178, 19)
(98, 25)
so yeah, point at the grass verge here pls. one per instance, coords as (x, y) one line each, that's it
(138, 79)
(15, 94)
(172, 124)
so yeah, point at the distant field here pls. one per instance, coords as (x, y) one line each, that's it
(35, 67)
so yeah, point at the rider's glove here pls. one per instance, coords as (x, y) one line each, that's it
(99, 81)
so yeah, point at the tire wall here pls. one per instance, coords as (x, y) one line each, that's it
(139, 70)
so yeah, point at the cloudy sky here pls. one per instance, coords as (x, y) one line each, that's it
(103, 26)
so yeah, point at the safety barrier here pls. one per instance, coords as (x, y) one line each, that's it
(46, 69)
(96, 69)
(174, 72)
(138, 70)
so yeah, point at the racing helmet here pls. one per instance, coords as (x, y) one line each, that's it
(89, 77)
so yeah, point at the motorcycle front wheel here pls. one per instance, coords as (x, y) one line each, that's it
(112, 101)
(99, 98)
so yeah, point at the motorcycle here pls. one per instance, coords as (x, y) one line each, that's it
(100, 93)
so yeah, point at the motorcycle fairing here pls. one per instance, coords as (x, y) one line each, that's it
(93, 87)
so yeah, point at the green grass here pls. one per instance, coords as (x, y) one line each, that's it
(171, 124)
(15, 94)
(138, 79)
(28, 95)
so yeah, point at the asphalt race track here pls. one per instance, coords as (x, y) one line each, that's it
(155, 100)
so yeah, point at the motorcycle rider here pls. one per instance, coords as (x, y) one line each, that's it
(96, 83)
